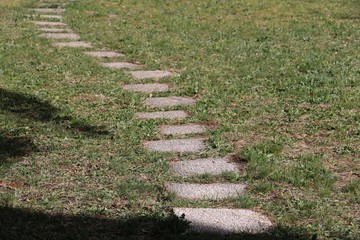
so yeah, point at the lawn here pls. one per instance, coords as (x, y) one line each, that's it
(279, 81)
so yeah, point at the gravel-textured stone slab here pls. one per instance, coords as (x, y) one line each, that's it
(176, 145)
(43, 23)
(163, 114)
(78, 44)
(104, 54)
(224, 221)
(203, 166)
(55, 30)
(121, 65)
(72, 36)
(50, 4)
(182, 129)
(150, 74)
(48, 10)
(214, 191)
(147, 88)
(169, 101)
(52, 16)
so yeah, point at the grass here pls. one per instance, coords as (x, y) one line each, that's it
(278, 79)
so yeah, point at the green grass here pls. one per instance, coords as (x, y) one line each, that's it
(278, 79)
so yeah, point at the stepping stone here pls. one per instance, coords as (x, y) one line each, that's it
(50, 4)
(121, 65)
(224, 221)
(162, 115)
(61, 36)
(104, 54)
(176, 145)
(73, 44)
(169, 101)
(213, 166)
(51, 16)
(147, 88)
(42, 23)
(182, 129)
(48, 10)
(214, 191)
(150, 74)
(55, 30)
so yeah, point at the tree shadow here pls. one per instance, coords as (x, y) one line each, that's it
(30, 107)
(12, 147)
(18, 223)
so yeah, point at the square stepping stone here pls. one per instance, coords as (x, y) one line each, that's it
(169, 101)
(176, 145)
(172, 115)
(78, 44)
(52, 16)
(182, 129)
(150, 74)
(48, 10)
(121, 65)
(72, 36)
(212, 166)
(55, 30)
(43, 23)
(104, 54)
(214, 191)
(147, 88)
(224, 221)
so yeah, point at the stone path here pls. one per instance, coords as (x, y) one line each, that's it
(176, 145)
(104, 54)
(150, 74)
(171, 115)
(155, 102)
(51, 16)
(121, 65)
(79, 44)
(182, 129)
(147, 87)
(54, 30)
(213, 220)
(214, 166)
(224, 221)
(72, 36)
(48, 10)
(214, 191)
(44, 23)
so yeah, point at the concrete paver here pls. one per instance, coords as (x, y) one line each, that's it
(172, 115)
(48, 10)
(224, 221)
(147, 87)
(150, 74)
(72, 36)
(121, 65)
(169, 101)
(176, 145)
(78, 44)
(212, 166)
(55, 30)
(104, 54)
(182, 129)
(213, 191)
(44, 23)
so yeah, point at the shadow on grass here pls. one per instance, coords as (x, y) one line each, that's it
(25, 224)
(30, 107)
(12, 147)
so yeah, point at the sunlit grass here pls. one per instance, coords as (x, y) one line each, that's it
(279, 80)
